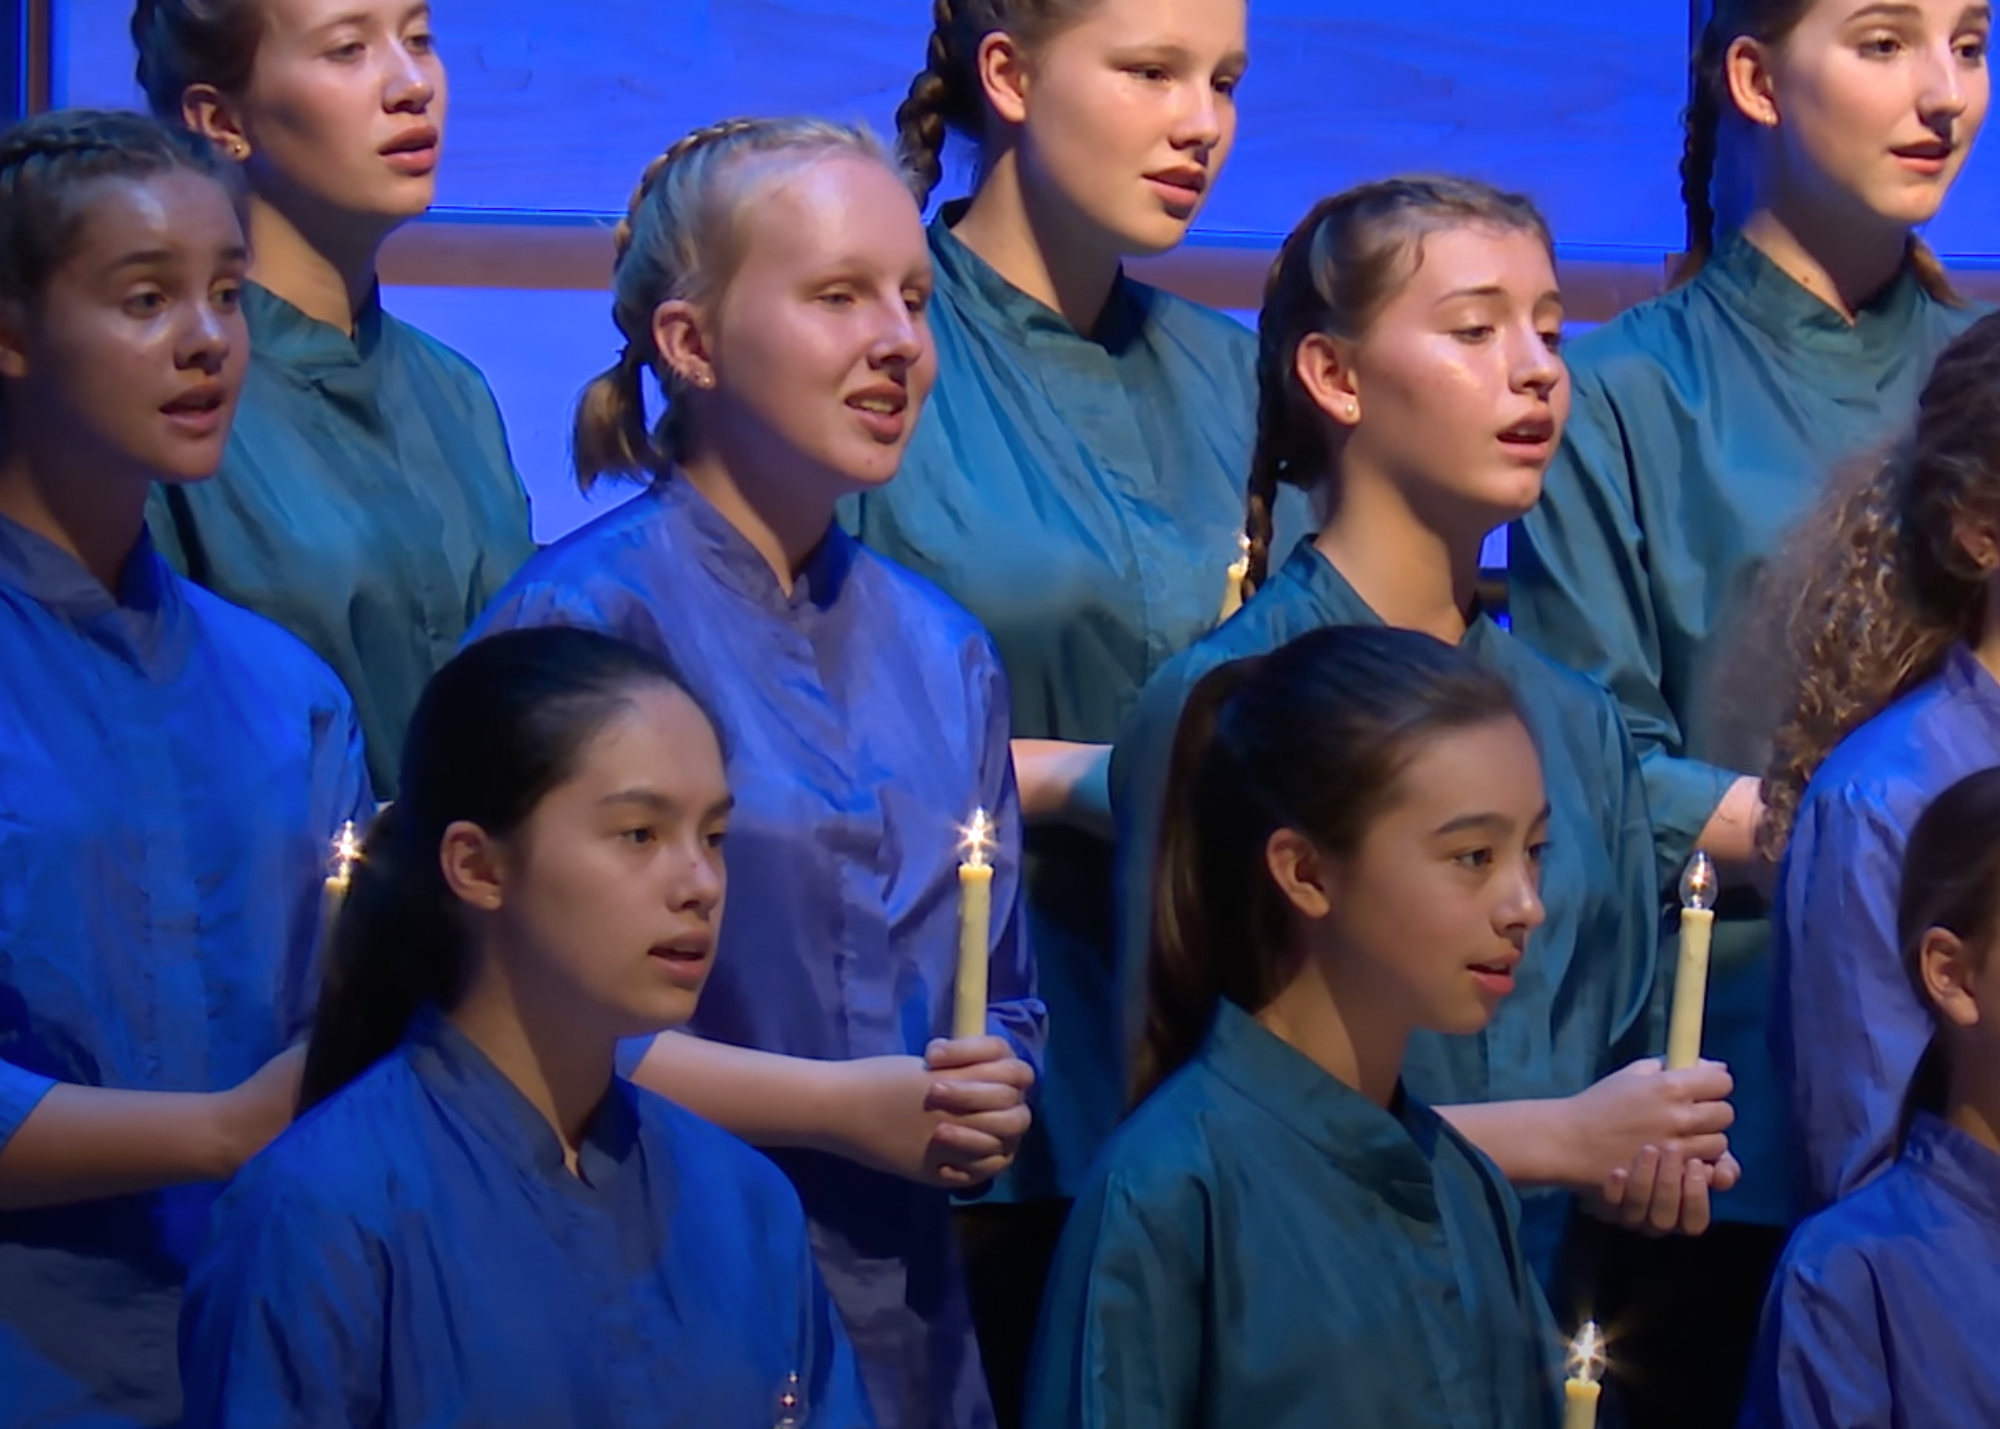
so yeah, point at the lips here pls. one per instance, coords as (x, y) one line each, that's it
(1191, 180)
(1496, 976)
(1531, 432)
(684, 961)
(196, 401)
(421, 140)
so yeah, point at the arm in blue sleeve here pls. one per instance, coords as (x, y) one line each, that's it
(1013, 1009)
(1820, 1360)
(1851, 1030)
(21, 1091)
(1580, 590)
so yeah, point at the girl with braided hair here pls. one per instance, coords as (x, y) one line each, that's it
(367, 501)
(173, 771)
(1410, 381)
(773, 280)
(1707, 422)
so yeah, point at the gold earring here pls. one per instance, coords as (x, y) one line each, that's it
(240, 149)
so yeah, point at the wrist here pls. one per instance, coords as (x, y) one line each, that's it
(825, 1110)
(221, 1141)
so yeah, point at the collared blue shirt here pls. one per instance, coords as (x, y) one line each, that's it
(865, 719)
(367, 503)
(1847, 1026)
(1262, 1245)
(1882, 1313)
(172, 771)
(1583, 1003)
(415, 1252)
(1705, 424)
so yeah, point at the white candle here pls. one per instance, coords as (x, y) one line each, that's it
(1698, 888)
(340, 869)
(975, 929)
(1239, 572)
(1586, 1369)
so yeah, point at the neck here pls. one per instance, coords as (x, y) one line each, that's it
(1973, 1102)
(1365, 1053)
(564, 1073)
(95, 517)
(1039, 245)
(326, 280)
(1987, 650)
(1843, 263)
(782, 522)
(1410, 574)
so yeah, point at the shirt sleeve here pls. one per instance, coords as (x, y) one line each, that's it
(1850, 1029)
(1014, 1011)
(1641, 1028)
(1821, 1359)
(21, 1091)
(1580, 590)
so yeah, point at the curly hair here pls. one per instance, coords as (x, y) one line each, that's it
(1886, 585)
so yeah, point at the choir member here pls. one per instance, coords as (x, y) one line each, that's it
(773, 278)
(1284, 1234)
(367, 502)
(173, 772)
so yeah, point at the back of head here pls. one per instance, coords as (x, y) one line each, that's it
(1880, 583)
(188, 42)
(1313, 737)
(1951, 881)
(496, 730)
(681, 239)
(1340, 266)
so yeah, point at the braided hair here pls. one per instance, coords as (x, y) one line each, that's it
(678, 242)
(188, 42)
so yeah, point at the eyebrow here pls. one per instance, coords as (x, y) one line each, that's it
(1495, 290)
(659, 803)
(362, 17)
(1485, 823)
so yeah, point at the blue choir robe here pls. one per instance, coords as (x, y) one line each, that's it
(1705, 424)
(366, 502)
(1262, 1245)
(1846, 1024)
(172, 773)
(1082, 494)
(1583, 1003)
(865, 719)
(1879, 1316)
(414, 1252)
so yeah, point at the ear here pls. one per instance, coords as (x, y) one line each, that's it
(681, 338)
(1002, 67)
(1325, 368)
(1752, 82)
(1981, 541)
(1950, 974)
(212, 114)
(1301, 872)
(470, 859)
(13, 341)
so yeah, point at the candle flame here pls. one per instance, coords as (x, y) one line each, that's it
(978, 838)
(1699, 883)
(1586, 1354)
(346, 852)
(1243, 544)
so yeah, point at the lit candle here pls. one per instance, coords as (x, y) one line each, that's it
(1239, 572)
(1586, 1369)
(1691, 977)
(340, 868)
(975, 929)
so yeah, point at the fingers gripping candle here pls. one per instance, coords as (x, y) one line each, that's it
(1698, 889)
(1239, 572)
(975, 929)
(340, 868)
(1586, 1370)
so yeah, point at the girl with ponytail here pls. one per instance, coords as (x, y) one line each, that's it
(1410, 382)
(173, 772)
(1820, 135)
(1889, 598)
(1284, 1233)
(773, 282)
(475, 1221)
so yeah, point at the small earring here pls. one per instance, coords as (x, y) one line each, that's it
(704, 380)
(239, 150)
(1351, 411)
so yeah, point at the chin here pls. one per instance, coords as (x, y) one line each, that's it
(1154, 235)
(660, 1010)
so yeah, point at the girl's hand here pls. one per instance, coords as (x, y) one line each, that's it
(1684, 1114)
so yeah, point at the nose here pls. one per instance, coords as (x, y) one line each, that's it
(699, 884)
(1942, 99)
(901, 337)
(1536, 366)
(1519, 911)
(409, 87)
(205, 339)
(1200, 120)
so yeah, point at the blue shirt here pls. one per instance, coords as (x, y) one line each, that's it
(1882, 1313)
(1705, 425)
(367, 503)
(1847, 1026)
(1081, 493)
(1262, 1245)
(414, 1252)
(865, 719)
(1583, 1003)
(172, 773)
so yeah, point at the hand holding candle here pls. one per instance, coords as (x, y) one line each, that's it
(1239, 572)
(340, 869)
(975, 929)
(1698, 890)
(1586, 1370)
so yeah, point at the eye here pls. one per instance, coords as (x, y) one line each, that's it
(716, 838)
(1552, 339)
(644, 837)
(837, 298)
(421, 43)
(1538, 852)
(1152, 74)
(229, 296)
(1473, 860)
(145, 305)
(1881, 46)
(1472, 336)
(1227, 87)
(917, 302)
(1973, 49)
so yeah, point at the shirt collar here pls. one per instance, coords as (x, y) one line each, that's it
(282, 333)
(1966, 1170)
(1008, 311)
(1971, 686)
(728, 555)
(1310, 574)
(139, 623)
(1390, 1151)
(1779, 304)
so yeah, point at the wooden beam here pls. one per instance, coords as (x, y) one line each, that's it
(36, 67)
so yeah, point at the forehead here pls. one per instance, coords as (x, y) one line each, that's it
(657, 739)
(1485, 768)
(829, 209)
(173, 211)
(1478, 255)
(1203, 27)
(295, 16)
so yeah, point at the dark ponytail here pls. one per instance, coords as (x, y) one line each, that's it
(189, 42)
(496, 730)
(1312, 737)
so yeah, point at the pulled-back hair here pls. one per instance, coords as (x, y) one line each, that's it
(1314, 737)
(681, 239)
(1951, 880)
(1337, 270)
(945, 97)
(1883, 583)
(188, 42)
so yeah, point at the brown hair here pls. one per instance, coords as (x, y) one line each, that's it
(1315, 737)
(187, 42)
(680, 240)
(1346, 259)
(1951, 880)
(1886, 585)
(1770, 23)
(945, 96)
